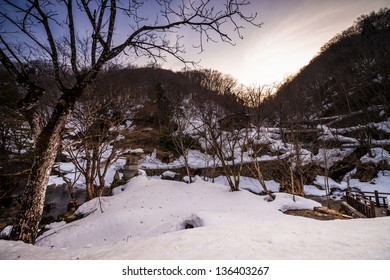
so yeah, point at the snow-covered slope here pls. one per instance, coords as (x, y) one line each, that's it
(147, 219)
(149, 207)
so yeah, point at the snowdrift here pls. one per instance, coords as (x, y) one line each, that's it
(156, 219)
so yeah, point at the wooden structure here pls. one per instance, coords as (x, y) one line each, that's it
(361, 203)
(380, 199)
(365, 202)
(291, 135)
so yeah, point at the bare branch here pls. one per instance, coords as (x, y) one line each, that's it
(73, 47)
(111, 24)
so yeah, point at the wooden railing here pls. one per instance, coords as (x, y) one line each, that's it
(361, 204)
(380, 199)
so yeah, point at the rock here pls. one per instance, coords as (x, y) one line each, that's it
(50, 206)
(6, 232)
(72, 205)
(45, 220)
(170, 175)
(130, 171)
(68, 217)
(366, 172)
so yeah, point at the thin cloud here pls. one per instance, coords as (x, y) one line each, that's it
(292, 34)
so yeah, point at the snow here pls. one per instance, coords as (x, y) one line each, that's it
(383, 126)
(136, 151)
(150, 218)
(284, 202)
(146, 219)
(332, 135)
(381, 183)
(251, 184)
(378, 155)
(320, 180)
(312, 240)
(168, 174)
(313, 190)
(71, 173)
(6, 232)
(150, 207)
(196, 159)
(326, 158)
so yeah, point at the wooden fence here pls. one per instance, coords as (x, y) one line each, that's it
(380, 199)
(361, 203)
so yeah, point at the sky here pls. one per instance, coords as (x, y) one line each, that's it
(292, 34)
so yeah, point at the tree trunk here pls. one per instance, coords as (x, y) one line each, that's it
(261, 180)
(46, 148)
(292, 180)
(31, 209)
(187, 165)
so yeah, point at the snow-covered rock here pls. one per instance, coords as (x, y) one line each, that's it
(168, 175)
(378, 155)
(6, 232)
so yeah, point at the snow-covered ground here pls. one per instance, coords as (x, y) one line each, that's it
(147, 219)
(150, 218)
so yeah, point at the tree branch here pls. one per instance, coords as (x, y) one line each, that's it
(73, 46)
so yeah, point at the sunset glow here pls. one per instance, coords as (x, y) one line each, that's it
(292, 34)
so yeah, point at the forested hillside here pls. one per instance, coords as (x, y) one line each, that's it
(149, 97)
(349, 77)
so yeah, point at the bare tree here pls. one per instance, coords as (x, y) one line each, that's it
(253, 98)
(212, 80)
(94, 133)
(225, 143)
(45, 30)
(221, 123)
(181, 139)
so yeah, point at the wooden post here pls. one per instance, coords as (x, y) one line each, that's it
(377, 199)
(372, 205)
